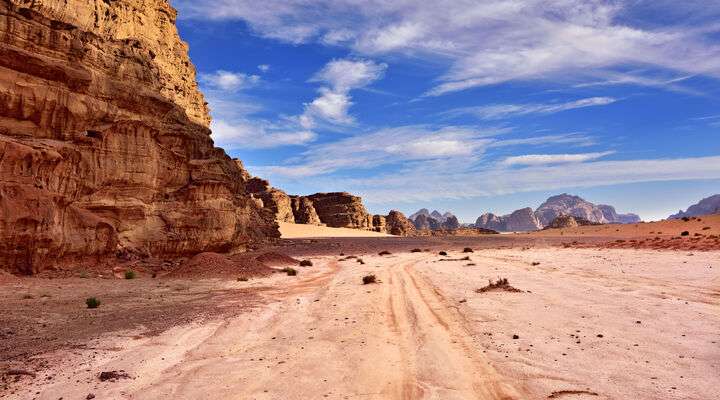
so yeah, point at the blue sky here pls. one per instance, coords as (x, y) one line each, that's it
(467, 106)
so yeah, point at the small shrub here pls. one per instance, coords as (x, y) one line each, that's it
(384, 253)
(416, 251)
(83, 274)
(289, 271)
(443, 253)
(685, 233)
(27, 296)
(535, 263)
(500, 284)
(467, 250)
(92, 302)
(686, 219)
(129, 274)
(368, 279)
(470, 265)
(306, 263)
(360, 261)
(242, 279)
(707, 228)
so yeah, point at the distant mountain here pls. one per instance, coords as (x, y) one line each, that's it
(423, 219)
(556, 206)
(706, 206)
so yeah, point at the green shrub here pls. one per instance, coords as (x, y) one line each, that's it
(443, 253)
(685, 233)
(416, 251)
(384, 253)
(368, 279)
(242, 279)
(467, 250)
(92, 302)
(306, 263)
(129, 274)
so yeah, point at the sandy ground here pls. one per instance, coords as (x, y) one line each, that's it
(294, 231)
(588, 323)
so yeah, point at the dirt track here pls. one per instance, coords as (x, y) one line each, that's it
(422, 332)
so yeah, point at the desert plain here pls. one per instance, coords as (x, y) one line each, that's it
(596, 312)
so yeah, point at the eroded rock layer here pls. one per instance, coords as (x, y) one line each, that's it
(104, 141)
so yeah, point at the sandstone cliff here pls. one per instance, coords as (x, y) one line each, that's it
(104, 142)
(341, 210)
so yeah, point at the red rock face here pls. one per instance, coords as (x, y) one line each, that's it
(398, 224)
(104, 145)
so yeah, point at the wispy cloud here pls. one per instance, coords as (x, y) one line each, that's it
(226, 80)
(257, 134)
(570, 40)
(340, 76)
(545, 159)
(500, 111)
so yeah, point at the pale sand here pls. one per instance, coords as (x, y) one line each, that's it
(298, 231)
(423, 333)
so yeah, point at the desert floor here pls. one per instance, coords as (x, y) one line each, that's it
(582, 323)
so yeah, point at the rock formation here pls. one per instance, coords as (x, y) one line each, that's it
(398, 224)
(275, 200)
(425, 222)
(379, 223)
(569, 221)
(706, 206)
(341, 210)
(104, 141)
(304, 211)
(451, 222)
(552, 208)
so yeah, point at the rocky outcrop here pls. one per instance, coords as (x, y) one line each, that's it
(706, 206)
(399, 225)
(274, 200)
(379, 223)
(341, 210)
(569, 221)
(304, 211)
(105, 149)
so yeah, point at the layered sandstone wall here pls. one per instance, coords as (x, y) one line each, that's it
(104, 145)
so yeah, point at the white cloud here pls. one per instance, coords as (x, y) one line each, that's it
(263, 67)
(499, 111)
(229, 81)
(545, 159)
(254, 134)
(334, 101)
(485, 43)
